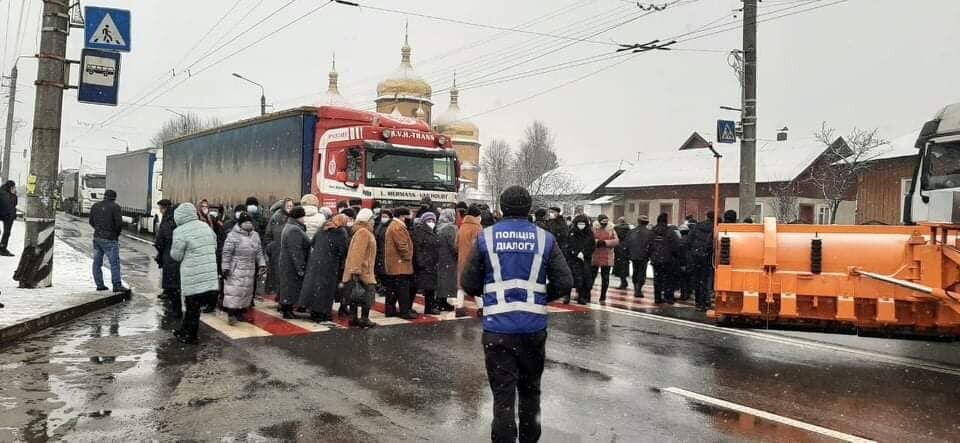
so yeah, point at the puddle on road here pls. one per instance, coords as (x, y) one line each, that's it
(749, 427)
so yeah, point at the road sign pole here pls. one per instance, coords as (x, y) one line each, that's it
(748, 144)
(8, 137)
(36, 262)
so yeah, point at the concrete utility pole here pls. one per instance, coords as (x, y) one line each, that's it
(36, 262)
(748, 143)
(8, 137)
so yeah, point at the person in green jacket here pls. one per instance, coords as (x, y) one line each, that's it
(195, 247)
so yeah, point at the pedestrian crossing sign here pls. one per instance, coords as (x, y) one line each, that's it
(726, 131)
(106, 29)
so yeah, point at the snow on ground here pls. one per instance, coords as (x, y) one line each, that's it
(72, 282)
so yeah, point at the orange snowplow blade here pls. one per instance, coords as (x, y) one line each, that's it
(901, 278)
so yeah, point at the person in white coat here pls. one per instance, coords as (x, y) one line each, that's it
(242, 259)
(314, 219)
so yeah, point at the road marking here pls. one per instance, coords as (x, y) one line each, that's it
(767, 415)
(891, 359)
(133, 237)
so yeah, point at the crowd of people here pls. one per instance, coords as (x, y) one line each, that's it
(313, 257)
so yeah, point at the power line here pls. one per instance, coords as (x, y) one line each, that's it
(612, 65)
(210, 30)
(824, 5)
(473, 24)
(120, 112)
(228, 56)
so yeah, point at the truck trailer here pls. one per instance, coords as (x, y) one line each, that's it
(137, 178)
(334, 153)
(80, 190)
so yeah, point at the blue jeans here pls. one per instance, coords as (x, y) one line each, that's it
(110, 248)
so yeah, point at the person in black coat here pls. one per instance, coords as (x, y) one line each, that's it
(328, 254)
(426, 257)
(665, 255)
(621, 261)
(292, 262)
(8, 213)
(170, 283)
(579, 253)
(638, 245)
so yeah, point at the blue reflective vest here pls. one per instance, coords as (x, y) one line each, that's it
(516, 254)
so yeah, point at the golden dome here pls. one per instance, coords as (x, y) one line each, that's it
(452, 124)
(404, 82)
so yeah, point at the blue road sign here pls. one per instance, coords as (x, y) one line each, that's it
(106, 28)
(726, 131)
(99, 77)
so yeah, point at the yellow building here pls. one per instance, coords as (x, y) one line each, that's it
(404, 91)
(464, 134)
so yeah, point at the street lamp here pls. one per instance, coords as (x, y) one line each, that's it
(124, 141)
(263, 100)
(731, 108)
(175, 112)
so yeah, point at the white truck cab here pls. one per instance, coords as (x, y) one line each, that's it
(935, 193)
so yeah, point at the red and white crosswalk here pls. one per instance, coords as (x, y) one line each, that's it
(265, 320)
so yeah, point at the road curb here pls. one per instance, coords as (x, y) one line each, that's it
(10, 334)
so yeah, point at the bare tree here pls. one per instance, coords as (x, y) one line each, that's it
(785, 203)
(555, 188)
(536, 155)
(182, 125)
(495, 167)
(846, 159)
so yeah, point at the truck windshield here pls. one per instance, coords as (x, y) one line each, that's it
(400, 169)
(942, 166)
(95, 182)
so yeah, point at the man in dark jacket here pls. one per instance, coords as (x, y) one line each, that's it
(665, 255)
(621, 262)
(579, 254)
(107, 222)
(292, 262)
(170, 283)
(638, 243)
(8, 213)
(523, 260)
(700, 242)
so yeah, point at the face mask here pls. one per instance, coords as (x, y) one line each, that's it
(431, 224)
(350, 224)
(552, 215)
(204, 210)
(252, 209)
(384, 220)
(237, 214)
(581, 226)
(214, 214)
(246, 226)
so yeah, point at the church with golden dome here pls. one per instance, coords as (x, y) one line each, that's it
(405, 93)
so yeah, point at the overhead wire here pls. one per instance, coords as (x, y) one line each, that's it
(120, 113)
(612, 65)
(209, 31)
(228, 56)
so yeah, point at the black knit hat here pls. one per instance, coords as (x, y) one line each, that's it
(244, 217)
(252, 201)
(297, 212)
(400, 212)
(474, 211)
(540, 213)
(515, 202)
(110, 194)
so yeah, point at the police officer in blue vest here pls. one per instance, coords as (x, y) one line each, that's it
(511, 266)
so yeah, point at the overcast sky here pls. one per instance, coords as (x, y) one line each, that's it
(888, 64)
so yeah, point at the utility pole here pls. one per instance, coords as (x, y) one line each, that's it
(748, 143)
(35, 269)
(8, 137)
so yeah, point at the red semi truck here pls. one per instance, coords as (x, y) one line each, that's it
(335, 153)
